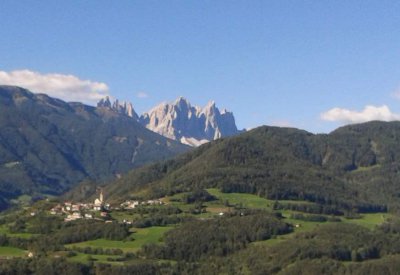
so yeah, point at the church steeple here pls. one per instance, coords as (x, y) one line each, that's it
(99, 202)
(101, 198)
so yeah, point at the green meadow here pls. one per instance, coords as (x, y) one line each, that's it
(4, 230)
(369, 221)
(6, 251)
(249, 200)
(140, 237)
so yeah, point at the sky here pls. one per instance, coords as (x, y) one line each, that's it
(313, 65)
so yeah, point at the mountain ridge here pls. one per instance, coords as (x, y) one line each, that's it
(179, 120)
(48, 145)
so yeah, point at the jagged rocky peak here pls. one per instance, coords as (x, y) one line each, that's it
(182, 102)
(170, 119)
(119, 107)
(180, 120)
(104, 102)
(189, 124)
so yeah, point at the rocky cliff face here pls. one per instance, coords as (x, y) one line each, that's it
(125, 108)
(180, 120)
(191, 125)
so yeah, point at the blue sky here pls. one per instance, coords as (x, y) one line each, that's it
(270, 62)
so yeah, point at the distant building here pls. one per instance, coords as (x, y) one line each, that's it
(104, 214)
(88, 216)
(99, 203)
(56, 210)
(154, 202)
(74, 211)
(68, 206)
(129, 204)
(75, 207)
(73, 216)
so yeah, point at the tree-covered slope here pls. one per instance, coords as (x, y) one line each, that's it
(47, 145)
(353, 167)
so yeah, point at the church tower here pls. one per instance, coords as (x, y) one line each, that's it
(101, 198)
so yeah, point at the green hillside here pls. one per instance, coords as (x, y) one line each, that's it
(353, 168)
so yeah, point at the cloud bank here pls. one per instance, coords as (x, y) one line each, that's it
(369, 113)
(65, 87)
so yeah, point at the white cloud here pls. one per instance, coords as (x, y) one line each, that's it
(66, 87)
(369, 113)
(142, 95)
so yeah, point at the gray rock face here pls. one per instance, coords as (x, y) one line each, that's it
(125, 108)
(191, 125)
(180, 120)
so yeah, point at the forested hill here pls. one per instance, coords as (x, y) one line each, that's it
(355, 167)
(48, 145)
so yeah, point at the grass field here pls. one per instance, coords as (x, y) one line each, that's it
(172, 200)
(4, 230)
(6, 251)
(303, 225)
(364, 169)
(141, 236)
(369, 221)
(249, 200)
(124, 215)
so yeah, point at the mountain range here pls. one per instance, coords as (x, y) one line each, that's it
(191, 125)
(48, 145)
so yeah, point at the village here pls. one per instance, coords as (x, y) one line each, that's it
(99, 209)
